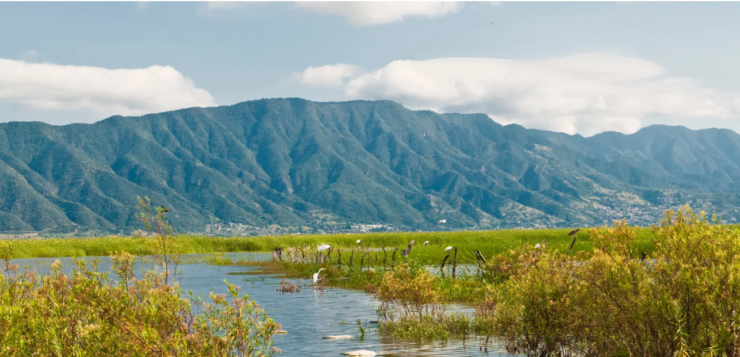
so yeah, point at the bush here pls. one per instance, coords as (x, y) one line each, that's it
(683, 299)
(85, 314)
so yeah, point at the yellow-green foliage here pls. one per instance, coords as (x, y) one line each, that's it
(85, 314)
(408, 292)
(409, 305)
(683, 299)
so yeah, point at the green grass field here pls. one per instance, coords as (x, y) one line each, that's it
(488, 242)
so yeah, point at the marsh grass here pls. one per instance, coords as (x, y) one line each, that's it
(488, 242)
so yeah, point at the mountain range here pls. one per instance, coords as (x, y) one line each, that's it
(292, 165)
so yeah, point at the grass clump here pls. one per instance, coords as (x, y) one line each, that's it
(411, 308)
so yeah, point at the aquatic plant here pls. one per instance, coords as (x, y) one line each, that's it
(287, 286)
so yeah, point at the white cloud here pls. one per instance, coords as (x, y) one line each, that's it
(100, 90)
(365, 13)
(583, 94)
(329, 76)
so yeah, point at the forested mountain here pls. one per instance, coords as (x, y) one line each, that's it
(309, 166)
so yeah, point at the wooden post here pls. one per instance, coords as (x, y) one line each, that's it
(407, 251)
(385, 256)
(442, 268)
(480, 259)
(454, 265)
(393, 258)
(367, 252)
(339, 258)
(352, 259)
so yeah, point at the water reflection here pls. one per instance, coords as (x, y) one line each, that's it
(307, 316)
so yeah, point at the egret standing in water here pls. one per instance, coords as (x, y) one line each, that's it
(315, 278)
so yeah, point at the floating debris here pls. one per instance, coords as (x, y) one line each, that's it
(338, 337)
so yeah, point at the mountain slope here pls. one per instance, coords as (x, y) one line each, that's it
(324, 166)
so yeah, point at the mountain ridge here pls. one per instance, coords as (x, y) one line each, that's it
(297, 165)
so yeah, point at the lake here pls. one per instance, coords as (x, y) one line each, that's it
(307, 316)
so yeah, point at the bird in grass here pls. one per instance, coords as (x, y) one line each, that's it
(323, 247)
(358, 241)
(537, 246)
(574, 231)
(316, 276)
(448, 249)
(426, 242)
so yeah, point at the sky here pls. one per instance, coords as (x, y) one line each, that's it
(573, 67)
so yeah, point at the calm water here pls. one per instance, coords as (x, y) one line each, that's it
(307, 316)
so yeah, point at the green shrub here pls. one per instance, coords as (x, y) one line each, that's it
(682, 299)
(85, 314)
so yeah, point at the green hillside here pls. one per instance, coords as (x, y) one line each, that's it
(287, 165)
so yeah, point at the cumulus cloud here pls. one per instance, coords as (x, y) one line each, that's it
(584, 94)
(100, 90)
(329, 76)
(361, 13)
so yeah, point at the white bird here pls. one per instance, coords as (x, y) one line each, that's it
(537, 246)
(358, 241)
(426, 242)
(448, 249)
(316, 276)
(323, 247)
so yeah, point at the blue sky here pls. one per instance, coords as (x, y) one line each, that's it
(570, 67)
